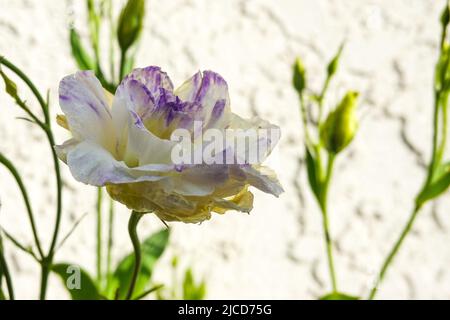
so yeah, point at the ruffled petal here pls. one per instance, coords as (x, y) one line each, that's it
(152, 78)
(214, 99)
(189, 89)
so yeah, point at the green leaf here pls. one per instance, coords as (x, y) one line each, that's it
(311, 167)
(77, 281)
(152, 248)
(84, 61)
(338, 296)
(190, 290)
(439, 184)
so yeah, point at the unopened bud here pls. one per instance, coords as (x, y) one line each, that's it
(341, 124)
(130, 23)
(299, 78)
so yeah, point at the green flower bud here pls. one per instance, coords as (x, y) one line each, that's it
(341, 124)
(130, 23)
(334, 63)
(445, 16)
(299, 79)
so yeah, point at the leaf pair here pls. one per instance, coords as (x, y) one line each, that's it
(118, 282)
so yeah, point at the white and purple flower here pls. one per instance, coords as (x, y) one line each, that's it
(123, 142)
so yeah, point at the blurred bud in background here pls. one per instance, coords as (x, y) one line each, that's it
(334, 63)
(130, 23)
(299, 79)
(341, 124)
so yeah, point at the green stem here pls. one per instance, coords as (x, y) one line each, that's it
(394, 251)
(304, 116)
(326, 227)
(99, 236)
(30, 85)
(5, 272)
(110, 238)
(436, 157)
(45, 271)
(112, 32)
(8, 164)
(49, 134)
(322, 97)
(132, 230)
(123, 56)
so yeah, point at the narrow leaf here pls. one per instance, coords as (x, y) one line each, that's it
(436, 188)
(311, 167)
(82, 58)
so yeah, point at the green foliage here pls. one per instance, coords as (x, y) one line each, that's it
(152, 249)
(438, 185)
(118, 282)
(81, 56)
(313, 174)
(186, 288)
(191, 290)
(338, 296)
(77, 281)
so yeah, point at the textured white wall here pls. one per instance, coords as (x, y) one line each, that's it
(277, 251)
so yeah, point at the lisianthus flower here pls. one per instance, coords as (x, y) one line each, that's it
(124, 142)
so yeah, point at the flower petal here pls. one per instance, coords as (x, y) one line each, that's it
(84, 103)
(91, 164)
(213, 97)
(189, 89)
(152, 78)
(263, 179)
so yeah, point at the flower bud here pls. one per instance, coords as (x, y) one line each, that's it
(341, 124)
(130, 23)
(445, 16)
(299, 79)
(334, 63)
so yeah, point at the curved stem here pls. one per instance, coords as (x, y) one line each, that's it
(30, 85)
(46, 261)
(132, 230)
(99, 236)
(5, 271)
(58, 191)
(110, 238)
(394, 251)
(326, 226)
(123, 57)
(8, 164)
